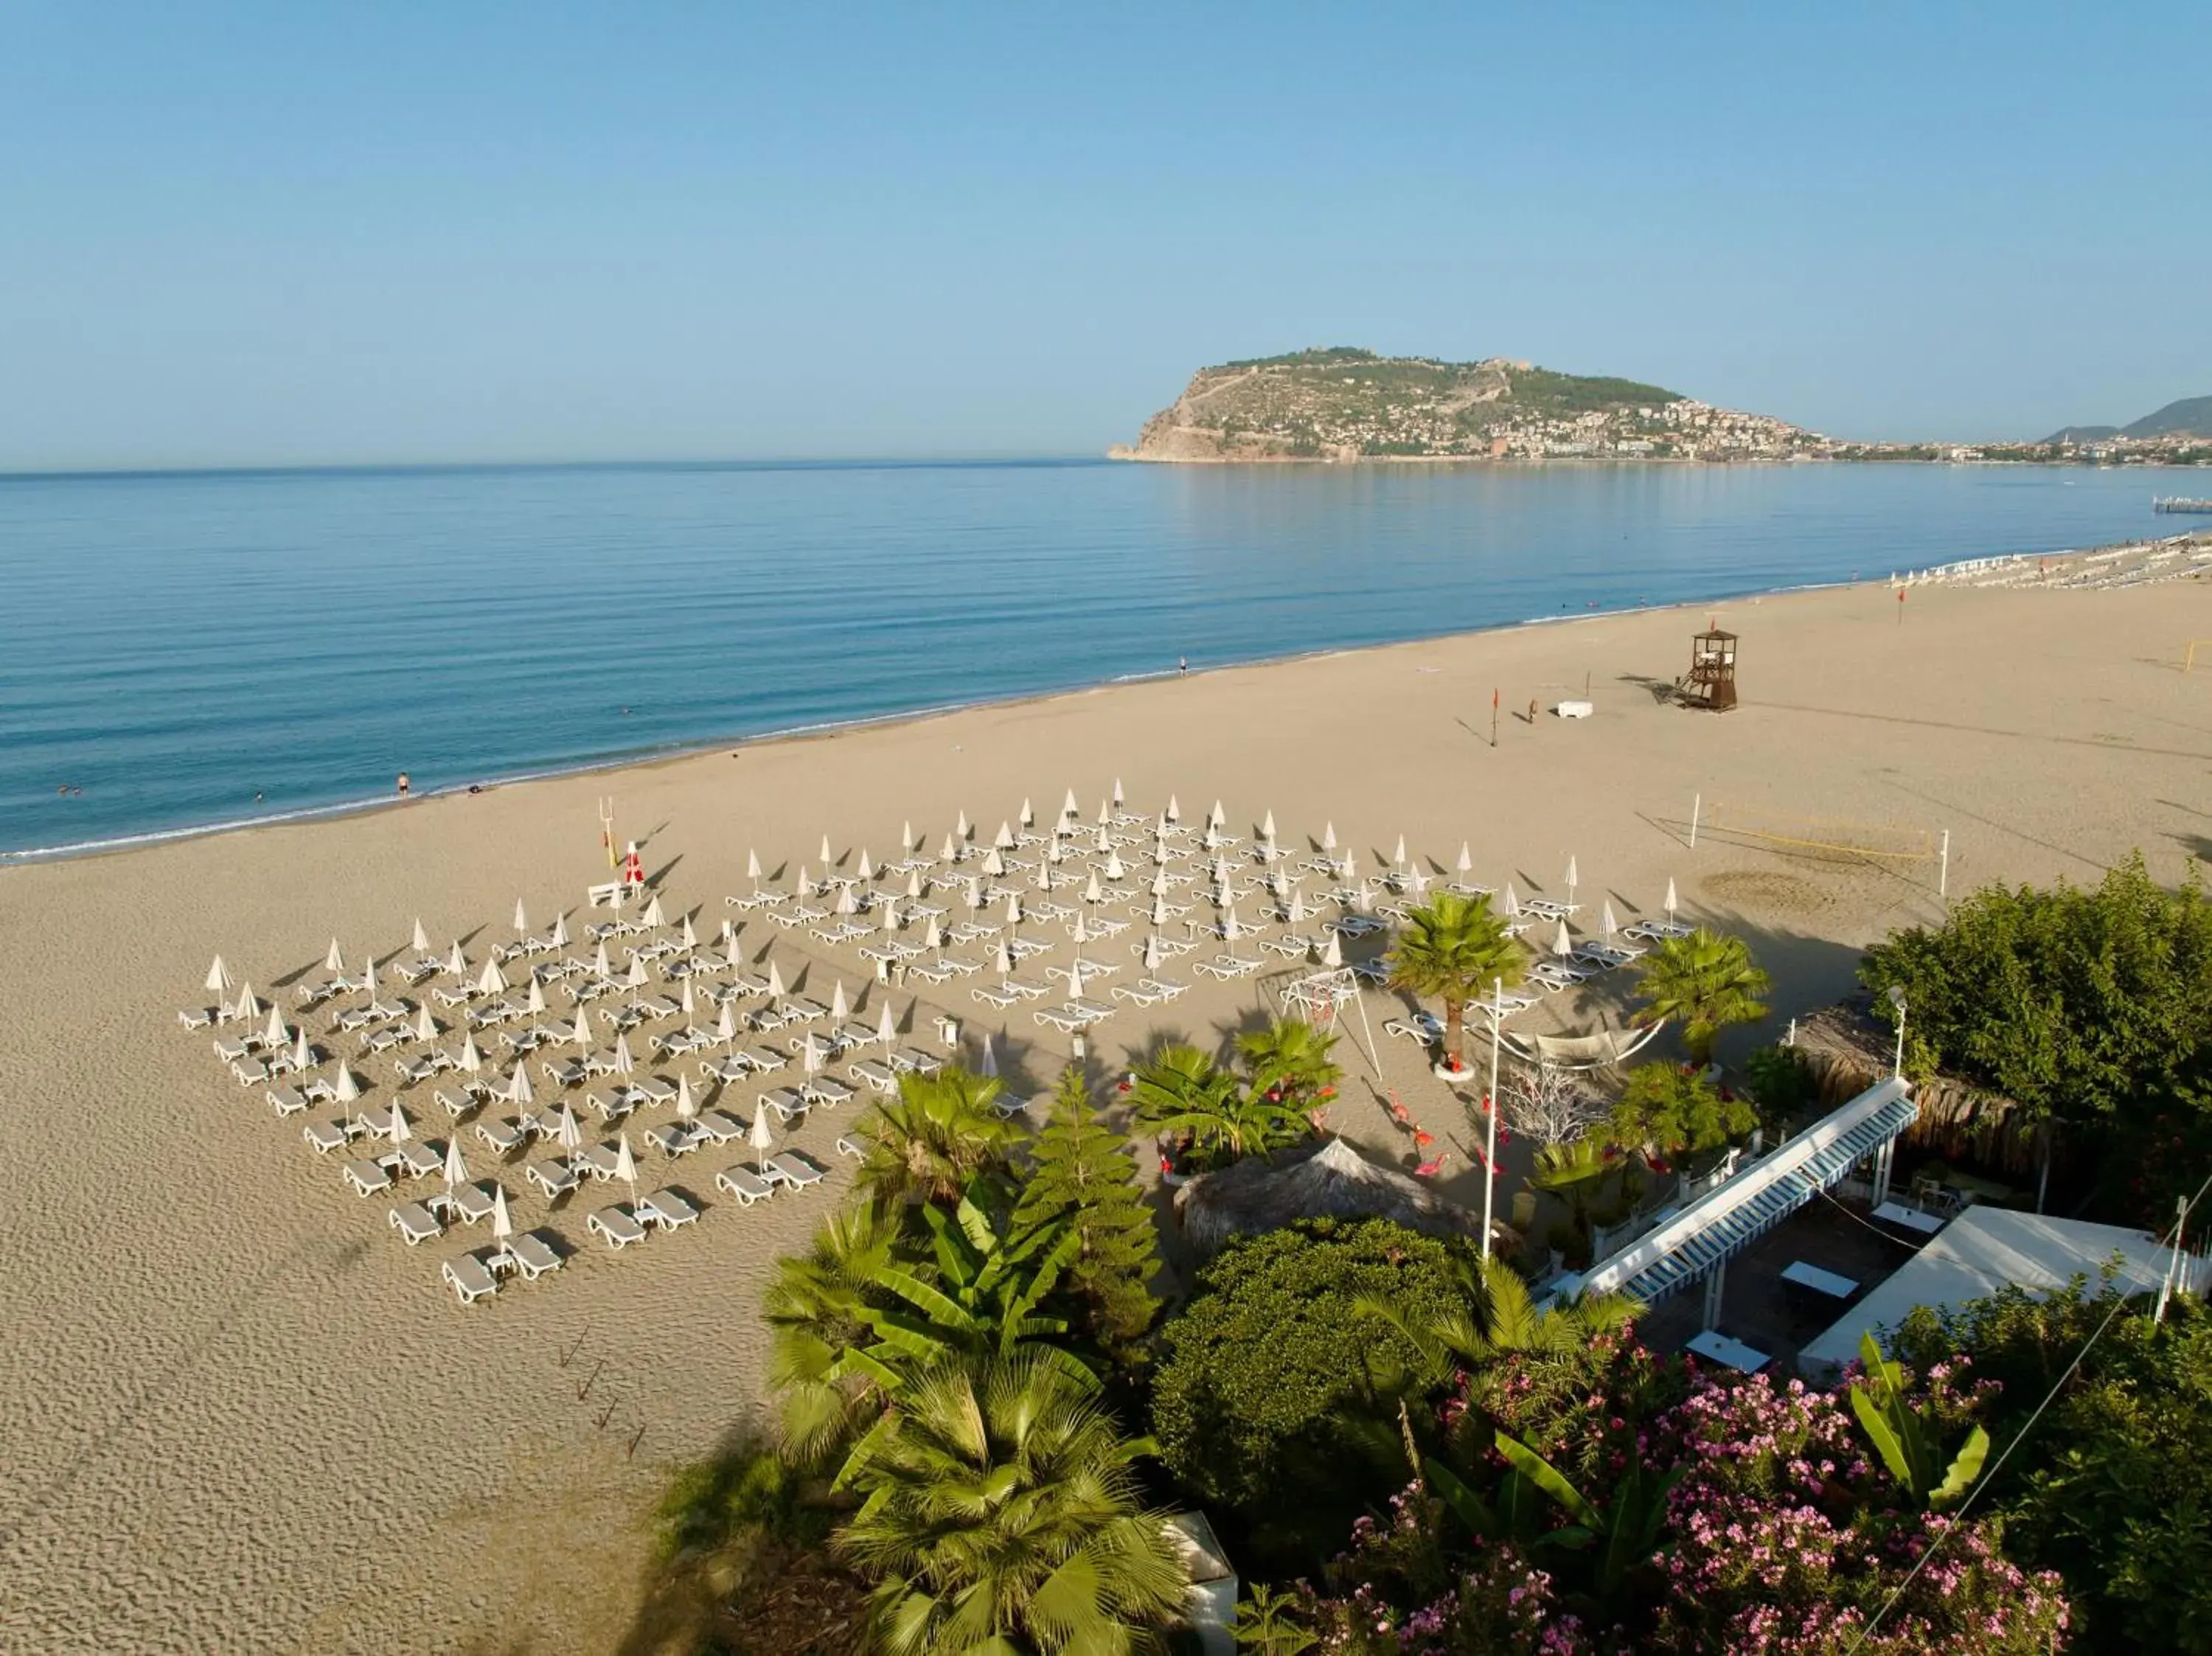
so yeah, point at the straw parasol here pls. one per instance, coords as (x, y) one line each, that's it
(1332, 1181)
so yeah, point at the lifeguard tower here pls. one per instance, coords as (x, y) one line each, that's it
(1711, 681)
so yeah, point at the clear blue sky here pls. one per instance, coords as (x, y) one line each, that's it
(324, 231)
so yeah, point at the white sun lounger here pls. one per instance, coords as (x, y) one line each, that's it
(717, 1127)
(666, 1209)
(532, 1254)
(618, 1225)
(1421, 1027)
(1067, 1019)
(470, 1277)
(787, 1102)
(852, 1147)
(286, 1101)
(197, 1017)
(673, 1138)
(1001, 999)
(797, 1170)
(415, 1224)
(826, 1090)
(914, 1060)
(508, 1135)
(367, 1177)
(473, 1202)
(553, 1176)
(744, 1184)
(328, 1136)
(881, 1077)
(1229, 966)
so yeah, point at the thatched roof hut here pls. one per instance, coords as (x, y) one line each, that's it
(1331, 1180)
(1850, 1050)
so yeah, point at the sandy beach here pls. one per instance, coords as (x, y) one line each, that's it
(237, 1414)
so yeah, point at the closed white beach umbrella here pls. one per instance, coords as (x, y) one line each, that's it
(1466, 863)
(810, 1057)
(1607, 924)
(827, 859)
(1067, 806)
(1512, 907)
(519, 1090)
(1152, 952)
(840, 1008)
(776, 984)
(1006, 960)
(867, 869)
(689, 1002)
(1418, 881)
(989, 1069)
(890, 917)
(566, 1131)
(1351, 862)
(536, 1002)
(913, 885)
(456, 1171)
(624, 1063)
(1114, 869)
(1561, 943)
(732, 956)
(335, 960)
(469, 1059)
(601, 965)
(686, 1106)
(1028, 816)
(886, 1027)
(1398, 859)
(690, 938)
(1080, 931)
(1005, 840)
(934, 937)
(560, 932)
(581, 1030)
(846, 902)
(1075, 980)
(301, 1058)
(804, 886)
(637, 977)
(368, 977)
(343, 1087)
(626, 1164)
(995, 864)
(521, 919)
(948, 852)
(1217, 818)
(960, 826)
(491, 981)
(396, 1130)
(725, 1026)
(501, 1226)
(1231, 929)
(274, 1033)
(1363, 900)
(763, 1137)
(1103, 843)
(1297, 906)
(753, 867)
(1105, 814)
(1332, 951)
(1213, 838)
(1174, 813)
(974, 891)
(247, 1008)
(1268, 828)
(1160, 883)
(1571, 879)
(1670, 897)
(1329, 837)
(652, 915)
(1013, 908)
(1091, 894)
(1044, 875)
(421, 938)
(425, 1028)
(1159, 910)
(1117, 792)
(457, 962)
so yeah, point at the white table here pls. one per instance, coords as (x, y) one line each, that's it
(1717, 1347)
(1911, 1219)
(1820, 1280)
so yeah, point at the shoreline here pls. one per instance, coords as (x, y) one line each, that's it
(736, 743)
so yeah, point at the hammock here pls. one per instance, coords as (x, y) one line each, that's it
(1601, 1051)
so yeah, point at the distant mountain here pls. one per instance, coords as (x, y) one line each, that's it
(1344, 403)
(2190, 417)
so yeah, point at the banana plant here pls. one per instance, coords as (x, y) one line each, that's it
(1904, 1436)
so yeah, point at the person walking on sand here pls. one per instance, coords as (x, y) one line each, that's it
(1182, 666)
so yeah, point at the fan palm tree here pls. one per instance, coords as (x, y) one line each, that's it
(1707, 981)
(1001, 1516)
(1181, 1090)
(1289, 1059)
(1454, 947)
(826, 1361)
(1497, 1315)
(937, 1134)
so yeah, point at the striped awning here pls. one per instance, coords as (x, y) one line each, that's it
(1730, 1218)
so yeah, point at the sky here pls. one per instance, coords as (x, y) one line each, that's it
(238, 235)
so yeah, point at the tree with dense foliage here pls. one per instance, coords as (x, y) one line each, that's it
(1705, 981)
(1666, 1109)
(939, 1132)
(1454, 947)
(1180, 1090)
(1266, 1378)
(1000, 1514)
(1083, 1183)
(1288, 1059)
(2090, 1010)
(2113, 1486)
(1781, 1083)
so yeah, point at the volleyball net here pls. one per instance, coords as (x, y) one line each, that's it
(1898, 845)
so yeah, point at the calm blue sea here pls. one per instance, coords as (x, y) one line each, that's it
(193, 649)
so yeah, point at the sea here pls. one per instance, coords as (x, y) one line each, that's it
(183, 650)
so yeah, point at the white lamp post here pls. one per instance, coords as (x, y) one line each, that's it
(1897, 1000)
(1490, 1149)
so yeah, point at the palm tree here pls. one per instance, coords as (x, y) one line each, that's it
(1181, 1090)
(1497, 1315)
(1707, 981)
(1289, 1059)
(935, 1136)
(1454, 947)
(825, 1356)
(1001, 1515)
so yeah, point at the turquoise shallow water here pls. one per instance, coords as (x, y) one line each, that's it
(176, 644)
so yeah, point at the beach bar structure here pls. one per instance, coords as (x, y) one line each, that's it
(1695, 1244)
(1711, 681)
